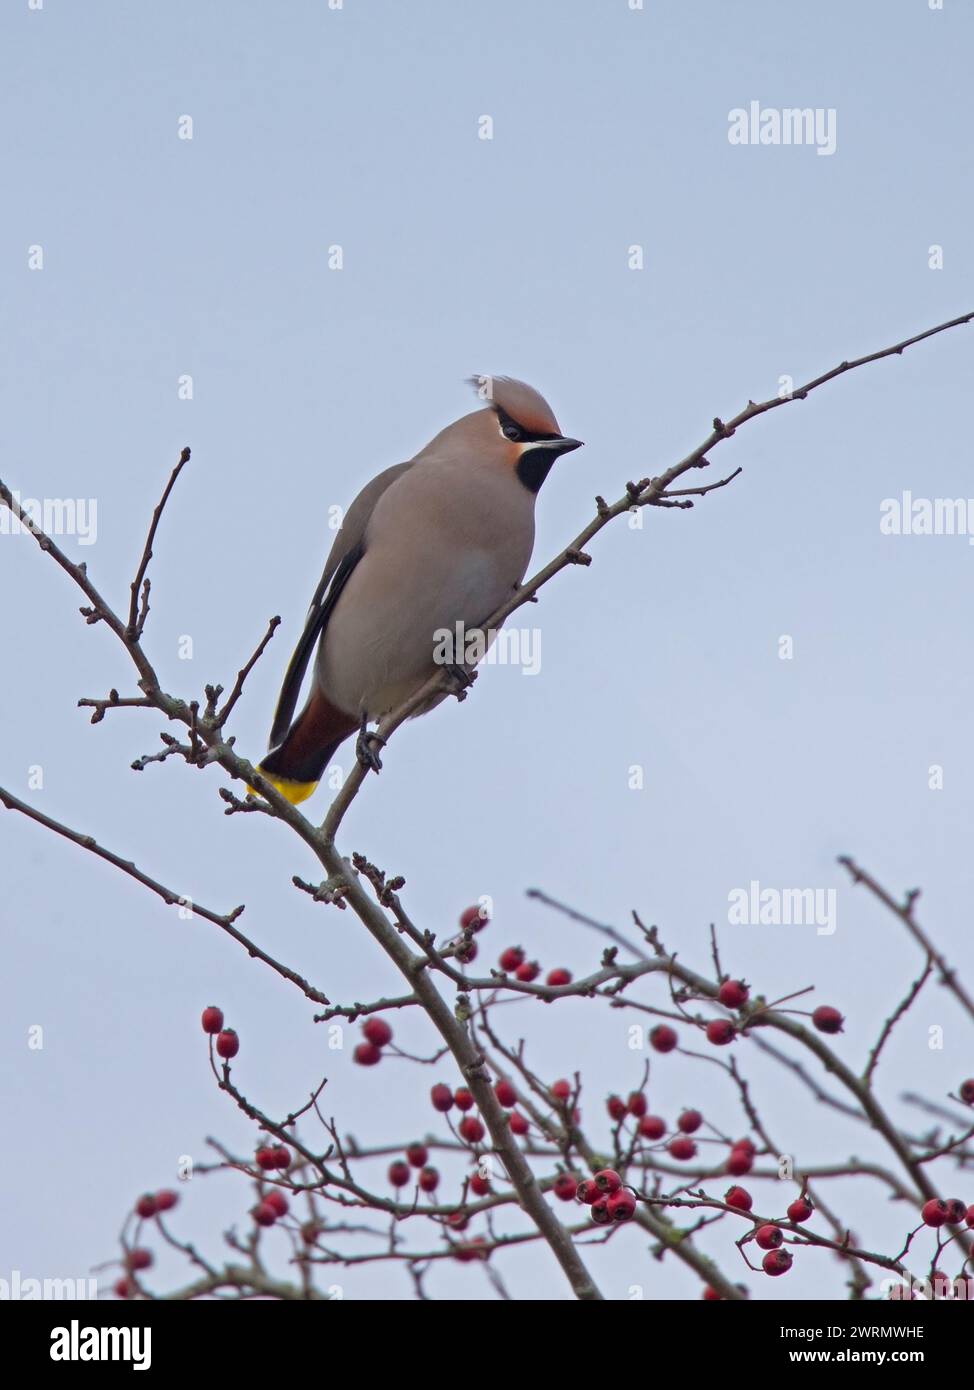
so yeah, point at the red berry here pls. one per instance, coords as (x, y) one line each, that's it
(518, 1123)
(622, 1205)
(124, 1288)
(377, 1031)
(266, 1158)
(663, 1038)
(139, 1258)
(733, 993)
(466, 952)
(827, 1019)
(264, 1214)
(511, 959)
(429, 1180)
(588, 1191)
(969, 1218)
(506, 1094)
(616, 1107)
(463, 1099)
(966, 1091)
(776, 1262)
(682, 1149)
(565, 1187)
(166, 1199)
(399, 1174)
(417, 1154)
(800, 1210)
(473, 918)
(710, 1295)
(559, 977)
(277, 1201)
(282, 1156)
(740, 1161)
(227, 1044)
(720, 1032)
(479, 1185)
(367, 1054)
(746, 1145)
(527, 971)
(768, 1237)
(637, 1104)
(689, 1122)
(607, 1180)
(956, 1211)
(934, 1212)
(471, 1129)
(458, 1221)
(652, 1127)
(475, 1249)
(739, 1197)
(600, 1212)
(212, 1019)
(442, 1097)
(146, 1206)
(561, 1090)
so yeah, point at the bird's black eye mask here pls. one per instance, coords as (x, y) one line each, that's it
(516, 433)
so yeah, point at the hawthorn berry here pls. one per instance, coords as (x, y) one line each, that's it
(479, 1185)
(399, 1173)
(740, 1160)
(559, 977)
(600, 1212)
(956, 1211)
(588, 1191)
(366, 1054)
(607, 1180)
(934, 1212)
(471, 1129)
(663, 1038)
(561, 1090)
(473, 919)
(282, 1156)
(212, 1019)
(966, 1091)
(518, 1123)
(458, 1220)
(124, 1288)
(682, 1149)
(969, 1218)
(467, 952)
(769, 1237)
(475, 1249)
(776, 1262)
(616, 1107)
(710, 1295)
(720, 1032)
(416, 1155)
(564, 1187)
(733, 993)
(227, 1044)
(689, 1122)
(827, 1019)
(637, 1104)
(800, 1210)
(621, 1205)
(146, 1206)
(527, 971)
(277, 1201)
(506, 1094)
(266, 1158)
(429, 1179)
(377, 1031)
(739, 1197)
(442, 1097)
(510, 959)
(463, 1099)
(139, 1258)
(166, 1199)
(264, 1214)
(652, 1127)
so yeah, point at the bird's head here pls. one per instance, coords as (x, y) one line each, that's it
(523, 427)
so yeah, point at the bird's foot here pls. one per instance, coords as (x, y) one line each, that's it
(460, 680)
(367, 747)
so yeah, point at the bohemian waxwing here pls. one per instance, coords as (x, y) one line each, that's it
(428, 544)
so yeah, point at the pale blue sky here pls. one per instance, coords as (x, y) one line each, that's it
(163, 257)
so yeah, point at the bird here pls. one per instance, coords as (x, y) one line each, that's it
(440, 540)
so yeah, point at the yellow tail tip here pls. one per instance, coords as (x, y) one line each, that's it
(291, 791)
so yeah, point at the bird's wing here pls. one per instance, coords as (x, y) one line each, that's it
(345, 554)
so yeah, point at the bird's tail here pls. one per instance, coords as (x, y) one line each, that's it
(296, 764)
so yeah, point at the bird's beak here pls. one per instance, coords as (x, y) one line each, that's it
(564, 446)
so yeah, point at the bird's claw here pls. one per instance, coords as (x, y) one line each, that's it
(367, 747)
(460, 679)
